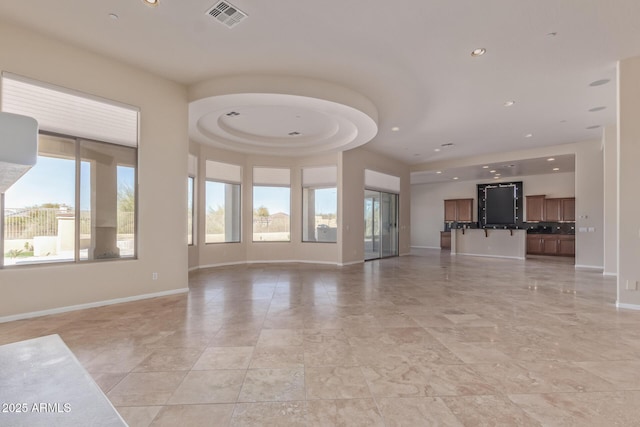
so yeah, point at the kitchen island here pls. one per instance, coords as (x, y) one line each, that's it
(489, 242)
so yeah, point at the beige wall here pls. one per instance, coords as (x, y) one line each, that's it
(628, 178)
(610, 214)
(427, 201)
(161, 180)
(352, 196)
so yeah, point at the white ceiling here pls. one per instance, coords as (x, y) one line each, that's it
(411, 58)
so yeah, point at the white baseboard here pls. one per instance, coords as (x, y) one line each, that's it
(606, 273)
(290, 261)
(59, 310)
(350, 263)
(221, 264)
(589, 267)
(489, 256)
(279, 261)
(627, 306)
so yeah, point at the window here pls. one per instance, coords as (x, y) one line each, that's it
(191, 208)
(78, 202)
(222, 203)
(271, 205)
(319, 204)
(39, 209)
(107, 201)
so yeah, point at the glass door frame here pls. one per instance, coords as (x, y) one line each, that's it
(377, 221)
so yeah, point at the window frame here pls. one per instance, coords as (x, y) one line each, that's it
(240, 231)
(192, 178)
(317, 187)
(253, 207)
(76, 261)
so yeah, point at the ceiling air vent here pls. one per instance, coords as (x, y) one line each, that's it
(227, 14)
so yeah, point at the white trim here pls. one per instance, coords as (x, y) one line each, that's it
(221, 264)
(290, 261)
(426, 247)
(193, 268)
(627, 306)
(343, 264)
(589, 267)
(606, 273)
(490, 256)
(59, 310)
(278, 261)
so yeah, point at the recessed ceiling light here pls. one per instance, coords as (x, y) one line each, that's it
(438, 172)
(593, 127)
(436, 149)
(556, 169)
(113, 16)
(550, 159)
(509, 103)
(447, 144)
(493, 171)
(478, 52)
(599, 82)
(552, 34)
(498, 174)
(233, 114)
(151, 2)
(395, 129)
(529, 135)
(294, 133)
(496, 177)
(455, 177)
(485, 167)
(594, 109)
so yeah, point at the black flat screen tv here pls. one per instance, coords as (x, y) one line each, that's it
(500, 205)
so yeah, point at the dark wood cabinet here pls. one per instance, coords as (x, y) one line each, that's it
(445, 240)
(551, 244)
(541, 209)
(568, 209)
(534, 244)
(535, 208)
(567, 245)
(458, 210)
(450, 210)
(552, 208)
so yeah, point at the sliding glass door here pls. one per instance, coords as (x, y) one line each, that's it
(380, 224)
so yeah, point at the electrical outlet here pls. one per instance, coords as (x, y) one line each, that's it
(632, 285)
(154, 276)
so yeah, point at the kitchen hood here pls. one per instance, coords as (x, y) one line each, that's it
(18, 147)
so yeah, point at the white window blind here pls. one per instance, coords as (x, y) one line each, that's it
(224, 172)
(272, 176)
(325, 176)
(192, 165)
(70, 112)
(381, 181)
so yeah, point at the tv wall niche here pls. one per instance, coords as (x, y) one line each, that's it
(500, 205)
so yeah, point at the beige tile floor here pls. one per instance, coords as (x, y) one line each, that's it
(420, 340)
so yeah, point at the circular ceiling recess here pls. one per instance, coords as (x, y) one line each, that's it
(277, 116)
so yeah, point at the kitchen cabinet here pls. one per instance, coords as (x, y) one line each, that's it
(551, 244)
(567, 245)
(534, 244)
(445, 240)
(535, 208)
(568, 209)
(458, 210)
(552, 210)
(560, 210)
